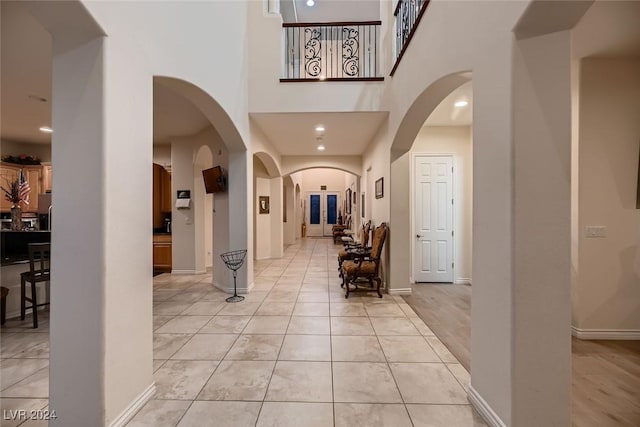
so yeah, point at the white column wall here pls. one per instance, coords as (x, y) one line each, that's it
(263, 224)
(77, 361)
(541, 375)
(277, 232)
(183, 240)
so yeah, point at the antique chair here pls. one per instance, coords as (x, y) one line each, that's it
(39, 271)
(365, 268)
(351, 247)
(339, 231)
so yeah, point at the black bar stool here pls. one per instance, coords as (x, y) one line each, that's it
(39, 271)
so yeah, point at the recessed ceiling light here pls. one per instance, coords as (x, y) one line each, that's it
(319, 128)
(461, 103)
(310, 3)
(321, 147)
(46, 129)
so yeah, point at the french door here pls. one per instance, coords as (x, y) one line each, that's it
(322, 212)
(433, 219)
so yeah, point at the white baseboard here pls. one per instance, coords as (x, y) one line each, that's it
(400, 291)
(133, 408)
(484, 409)
(605, 334)
(462, 281)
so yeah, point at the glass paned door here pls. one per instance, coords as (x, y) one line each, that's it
(322, 213)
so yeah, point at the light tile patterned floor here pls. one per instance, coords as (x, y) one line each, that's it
(294, 353)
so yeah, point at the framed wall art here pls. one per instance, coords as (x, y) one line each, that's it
(380, 188)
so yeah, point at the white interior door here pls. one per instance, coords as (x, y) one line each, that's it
(322, 212)
(433, 219)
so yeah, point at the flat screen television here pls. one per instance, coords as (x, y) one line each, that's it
(215, 179)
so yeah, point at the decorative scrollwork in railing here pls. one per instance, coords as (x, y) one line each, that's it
(332, 51)
(350, 55)
(312, 48)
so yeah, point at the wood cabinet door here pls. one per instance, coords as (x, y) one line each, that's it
(33, 178)
(166, 191)
(47, 178)
(8, 174)
(157, 196)
(162, 256)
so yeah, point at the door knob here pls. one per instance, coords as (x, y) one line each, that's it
(418, 236)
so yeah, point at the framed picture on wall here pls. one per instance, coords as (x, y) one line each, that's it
(380, 188)
(362, 206)
(347, 198)
(263, 204)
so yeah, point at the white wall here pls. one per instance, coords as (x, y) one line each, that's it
(267, 94)
(15, 148)
(455, 140)
(262, 222)
(607, 296)
(438, 60)
(162, 155)
(198, 230)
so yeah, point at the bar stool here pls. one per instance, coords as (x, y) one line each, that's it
(39, 271)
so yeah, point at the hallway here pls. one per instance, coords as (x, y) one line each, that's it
(294, 353)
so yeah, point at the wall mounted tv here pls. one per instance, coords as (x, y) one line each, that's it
(215, 179)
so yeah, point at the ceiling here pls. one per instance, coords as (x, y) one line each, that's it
(446, 114)
(345, 134)
(608, 28)
(174, 115)
(330, 10)
(25, 67)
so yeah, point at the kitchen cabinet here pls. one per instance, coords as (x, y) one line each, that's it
(9, 172)
(162, 252)
(47, 178)
(161, 195)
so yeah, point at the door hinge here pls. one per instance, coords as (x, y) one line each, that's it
(453, 264)
(451, 201)
(452, 233)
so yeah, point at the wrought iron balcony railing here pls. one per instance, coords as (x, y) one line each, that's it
(338, 51)
(408, 14)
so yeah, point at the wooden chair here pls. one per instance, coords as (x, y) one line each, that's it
(365, 268)
(355, 247)
(339, 231)
(39, 271)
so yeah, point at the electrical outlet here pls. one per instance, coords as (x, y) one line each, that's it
(593, 231)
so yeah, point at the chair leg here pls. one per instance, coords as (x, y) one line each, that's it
(379, 282)
(34, 305)
(23, 303)
(345, 283)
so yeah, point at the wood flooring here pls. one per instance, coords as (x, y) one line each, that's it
(605, 374)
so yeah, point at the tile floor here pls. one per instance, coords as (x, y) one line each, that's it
(294, 353)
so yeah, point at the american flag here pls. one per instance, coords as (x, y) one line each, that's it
(24, 188)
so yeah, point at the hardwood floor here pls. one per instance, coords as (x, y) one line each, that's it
(605, 374)
(446, 309)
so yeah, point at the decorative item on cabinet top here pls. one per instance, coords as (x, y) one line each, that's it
(21, 159)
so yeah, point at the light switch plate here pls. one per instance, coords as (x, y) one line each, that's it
(595, 231)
